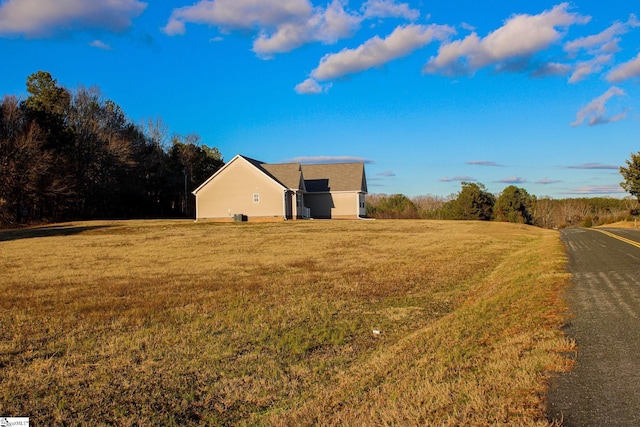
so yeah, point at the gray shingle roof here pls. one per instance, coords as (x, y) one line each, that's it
(318, 178)
(335, 177)
(288, 174)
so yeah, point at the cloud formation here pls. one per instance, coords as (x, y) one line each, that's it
(284, 25)
(280, 26)
(311, 87)
(484, 163)
(594, 166)
(601, 46)
(625, 71)
(521, 36)
(583, 69)
(324, 25)
(605, 41)
(512, 180)
(238, 14)
(376, 51)
(595, 113)
(39, 19)
(598, 189)
(100, 45)
(459, 178)
(547, 181)
(388, 9)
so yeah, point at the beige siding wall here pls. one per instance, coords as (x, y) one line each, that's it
(346, 204)
(333, 205)
(231, 192)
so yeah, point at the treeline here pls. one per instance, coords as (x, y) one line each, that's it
(513, 204)
(74, 155)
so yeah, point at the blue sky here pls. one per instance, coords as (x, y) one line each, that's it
(544, 95)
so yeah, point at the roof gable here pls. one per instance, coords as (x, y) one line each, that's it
(313, 178)
(335, 177)
(255, 163)
(288, 174)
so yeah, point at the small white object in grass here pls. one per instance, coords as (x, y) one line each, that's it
(377, 332)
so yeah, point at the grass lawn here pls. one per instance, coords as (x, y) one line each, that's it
(182, 323)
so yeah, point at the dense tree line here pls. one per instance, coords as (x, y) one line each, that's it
(74, 155)
(513, 204)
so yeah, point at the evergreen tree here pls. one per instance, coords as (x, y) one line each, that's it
(631, 175)
(514, 205)
(473, 202)
(192, 164)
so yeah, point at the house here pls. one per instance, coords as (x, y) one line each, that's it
(249, 189)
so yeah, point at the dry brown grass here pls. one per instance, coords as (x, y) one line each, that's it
(176, 323)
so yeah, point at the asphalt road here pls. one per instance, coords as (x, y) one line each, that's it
(603, 389)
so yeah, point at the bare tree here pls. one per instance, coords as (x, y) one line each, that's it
(543, 212)
(429, 206)
(24, 165)
(157, 132)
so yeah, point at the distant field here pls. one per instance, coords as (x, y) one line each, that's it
(182, 323)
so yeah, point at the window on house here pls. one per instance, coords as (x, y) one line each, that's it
(256, 197)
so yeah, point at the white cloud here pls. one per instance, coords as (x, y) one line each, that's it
(459, 178)
(547, 181)
(388, 8)
(597, 40)
(484, 163)
(602, 46)
(376, 51)
(324, 25)
(592, 166)
(512, 180)
(605, 41)
(581, 71)
(100, 45)
(467, 26)
(595, 112)
(38, 18)
(520, 36)
(585, 68)
(598, 189)
(174, 27)
(625, 71)
(311, 87)
(281, 25)
(238, 14)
